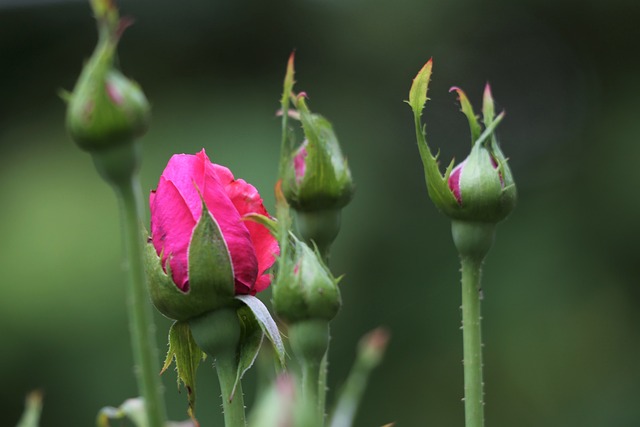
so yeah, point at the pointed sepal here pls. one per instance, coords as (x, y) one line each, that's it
(251, 337)
(467, 110)
(266, 323)
(437, 186)
(211, 283)
(187, 355)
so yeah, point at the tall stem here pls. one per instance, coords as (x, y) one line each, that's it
(141, 326)
(227, 367)
(472, 343)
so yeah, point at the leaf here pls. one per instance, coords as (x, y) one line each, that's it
(268, 325)
(250, 342)
(187, 354)
(418, 92)
(467, 109)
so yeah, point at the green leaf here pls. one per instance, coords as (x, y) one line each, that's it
(467, 109)
(187, 354)
(250, 342)
(418, 92)
(266, 322)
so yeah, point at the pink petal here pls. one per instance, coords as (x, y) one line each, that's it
(454, 181)
(195, 176)
(299, 163)
(172, 224)
(246, 199)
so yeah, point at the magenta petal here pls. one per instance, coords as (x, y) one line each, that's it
(299, 163)
(246, 199)
(454, 181)
(172, 224)
(234, 230)
(193, 178)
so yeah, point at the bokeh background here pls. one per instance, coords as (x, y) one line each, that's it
(561, 318)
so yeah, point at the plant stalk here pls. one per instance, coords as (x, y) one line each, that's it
(472, 342)
(227, 367)
(141, 325)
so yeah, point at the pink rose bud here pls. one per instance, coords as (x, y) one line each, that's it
(189, 184)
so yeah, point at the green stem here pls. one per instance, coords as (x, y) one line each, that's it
(322, 384)
(472, 342)
(309, 342)
(320, 227)
(227, 367)
(310, 387)
(141, 325)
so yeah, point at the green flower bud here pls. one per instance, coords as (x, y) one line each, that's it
(481, 188)
(305, 288)
(316, 176)
(106, 109)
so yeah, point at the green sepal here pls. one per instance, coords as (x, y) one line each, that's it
(467, 110)
(185, 351)
(488, 107)
(488, 193)
(209, 260)
(286, 147)
(419, 88)
(266, 323)
(211, 283)
(437, 185)
(305, 289)
(251, 337)
(270, 224)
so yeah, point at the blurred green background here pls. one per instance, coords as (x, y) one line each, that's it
(561, 284)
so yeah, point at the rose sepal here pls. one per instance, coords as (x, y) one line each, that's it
(211, 282)
(436, 182)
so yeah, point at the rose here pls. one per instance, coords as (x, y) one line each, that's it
(176, 208)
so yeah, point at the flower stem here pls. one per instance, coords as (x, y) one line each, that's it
(119, 167)
(227, 367)
(472, 342)
(309, 342)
